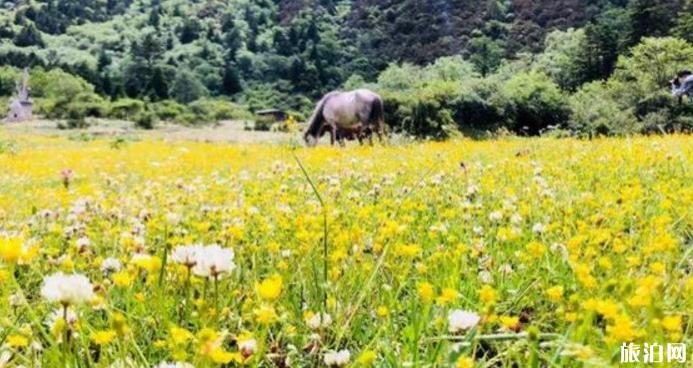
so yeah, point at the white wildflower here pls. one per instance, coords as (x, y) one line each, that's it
(186, 254)
(459, 320)
(109, 265)
(538, 228)
(337, 358)
(495, 216)
(67, 289)
(214, 261)
(319, 320)
(83, 243)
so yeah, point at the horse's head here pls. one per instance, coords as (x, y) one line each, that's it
(310, 139)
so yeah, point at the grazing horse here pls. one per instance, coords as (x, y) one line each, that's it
(682, 85)
(356, 114)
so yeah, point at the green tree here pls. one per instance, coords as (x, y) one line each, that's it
(535, 102)
(487, 54)
(652, 64)
(652, 18)
(684, 22)
(607, 36)
(28, 36)
(187, 88)
(564, 58)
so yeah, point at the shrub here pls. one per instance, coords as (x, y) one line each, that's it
(218, 109)
(8, 80)
(264, 123)
(127, 109)
(169, 110)
(146, 119)
(535, 103)
(594, 112)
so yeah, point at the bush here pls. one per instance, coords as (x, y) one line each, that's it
(264, 123)
(218, 109)
(9, 77)
(146, 120)
(594, 112)
(534, 103)
(169, 110)
(127, 109)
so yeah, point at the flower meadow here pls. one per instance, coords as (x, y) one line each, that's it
(506, 253)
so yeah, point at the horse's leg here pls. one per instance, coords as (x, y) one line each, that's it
(333, 133)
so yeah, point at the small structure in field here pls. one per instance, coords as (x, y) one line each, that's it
(275, 115)
(21, 105)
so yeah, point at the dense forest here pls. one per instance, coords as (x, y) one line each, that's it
(582, 66)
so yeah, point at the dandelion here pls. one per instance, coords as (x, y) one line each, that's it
(555, 293)
(67, 289)
(83, 243)
(425, 291)
(266, 315)
(337, 358)
(103, 337)
(214, 261)
(271, 288)
(672, 323)
(17, 341)
(509, 322)
(464, 362)
(460, 320)
(447, 296)
(495, 216)
(538, 228)
(487, 294)
(110, 265)
(187, 255)
(367, 358)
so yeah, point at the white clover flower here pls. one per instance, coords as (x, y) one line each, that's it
(67, 289)
(248, 346)
(459, 320)
(186, 254)
(174, 365)
(214, 261)
(337, 358)
(319, 320)
(495, 216)
(538, 228)
(472, 190)
(111, 264)
(83, 242)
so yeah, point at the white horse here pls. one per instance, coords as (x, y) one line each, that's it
(359, 111)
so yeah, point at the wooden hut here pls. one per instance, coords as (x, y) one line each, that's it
(272, 114)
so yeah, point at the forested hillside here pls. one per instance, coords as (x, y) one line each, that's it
(162, 56)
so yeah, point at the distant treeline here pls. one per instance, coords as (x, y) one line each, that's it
(443, 66)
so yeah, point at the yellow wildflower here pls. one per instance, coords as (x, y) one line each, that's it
(271, 288)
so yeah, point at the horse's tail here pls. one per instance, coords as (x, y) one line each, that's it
(315, 122)
(377, 116)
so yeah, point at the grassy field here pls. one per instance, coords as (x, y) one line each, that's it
(510, 253)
